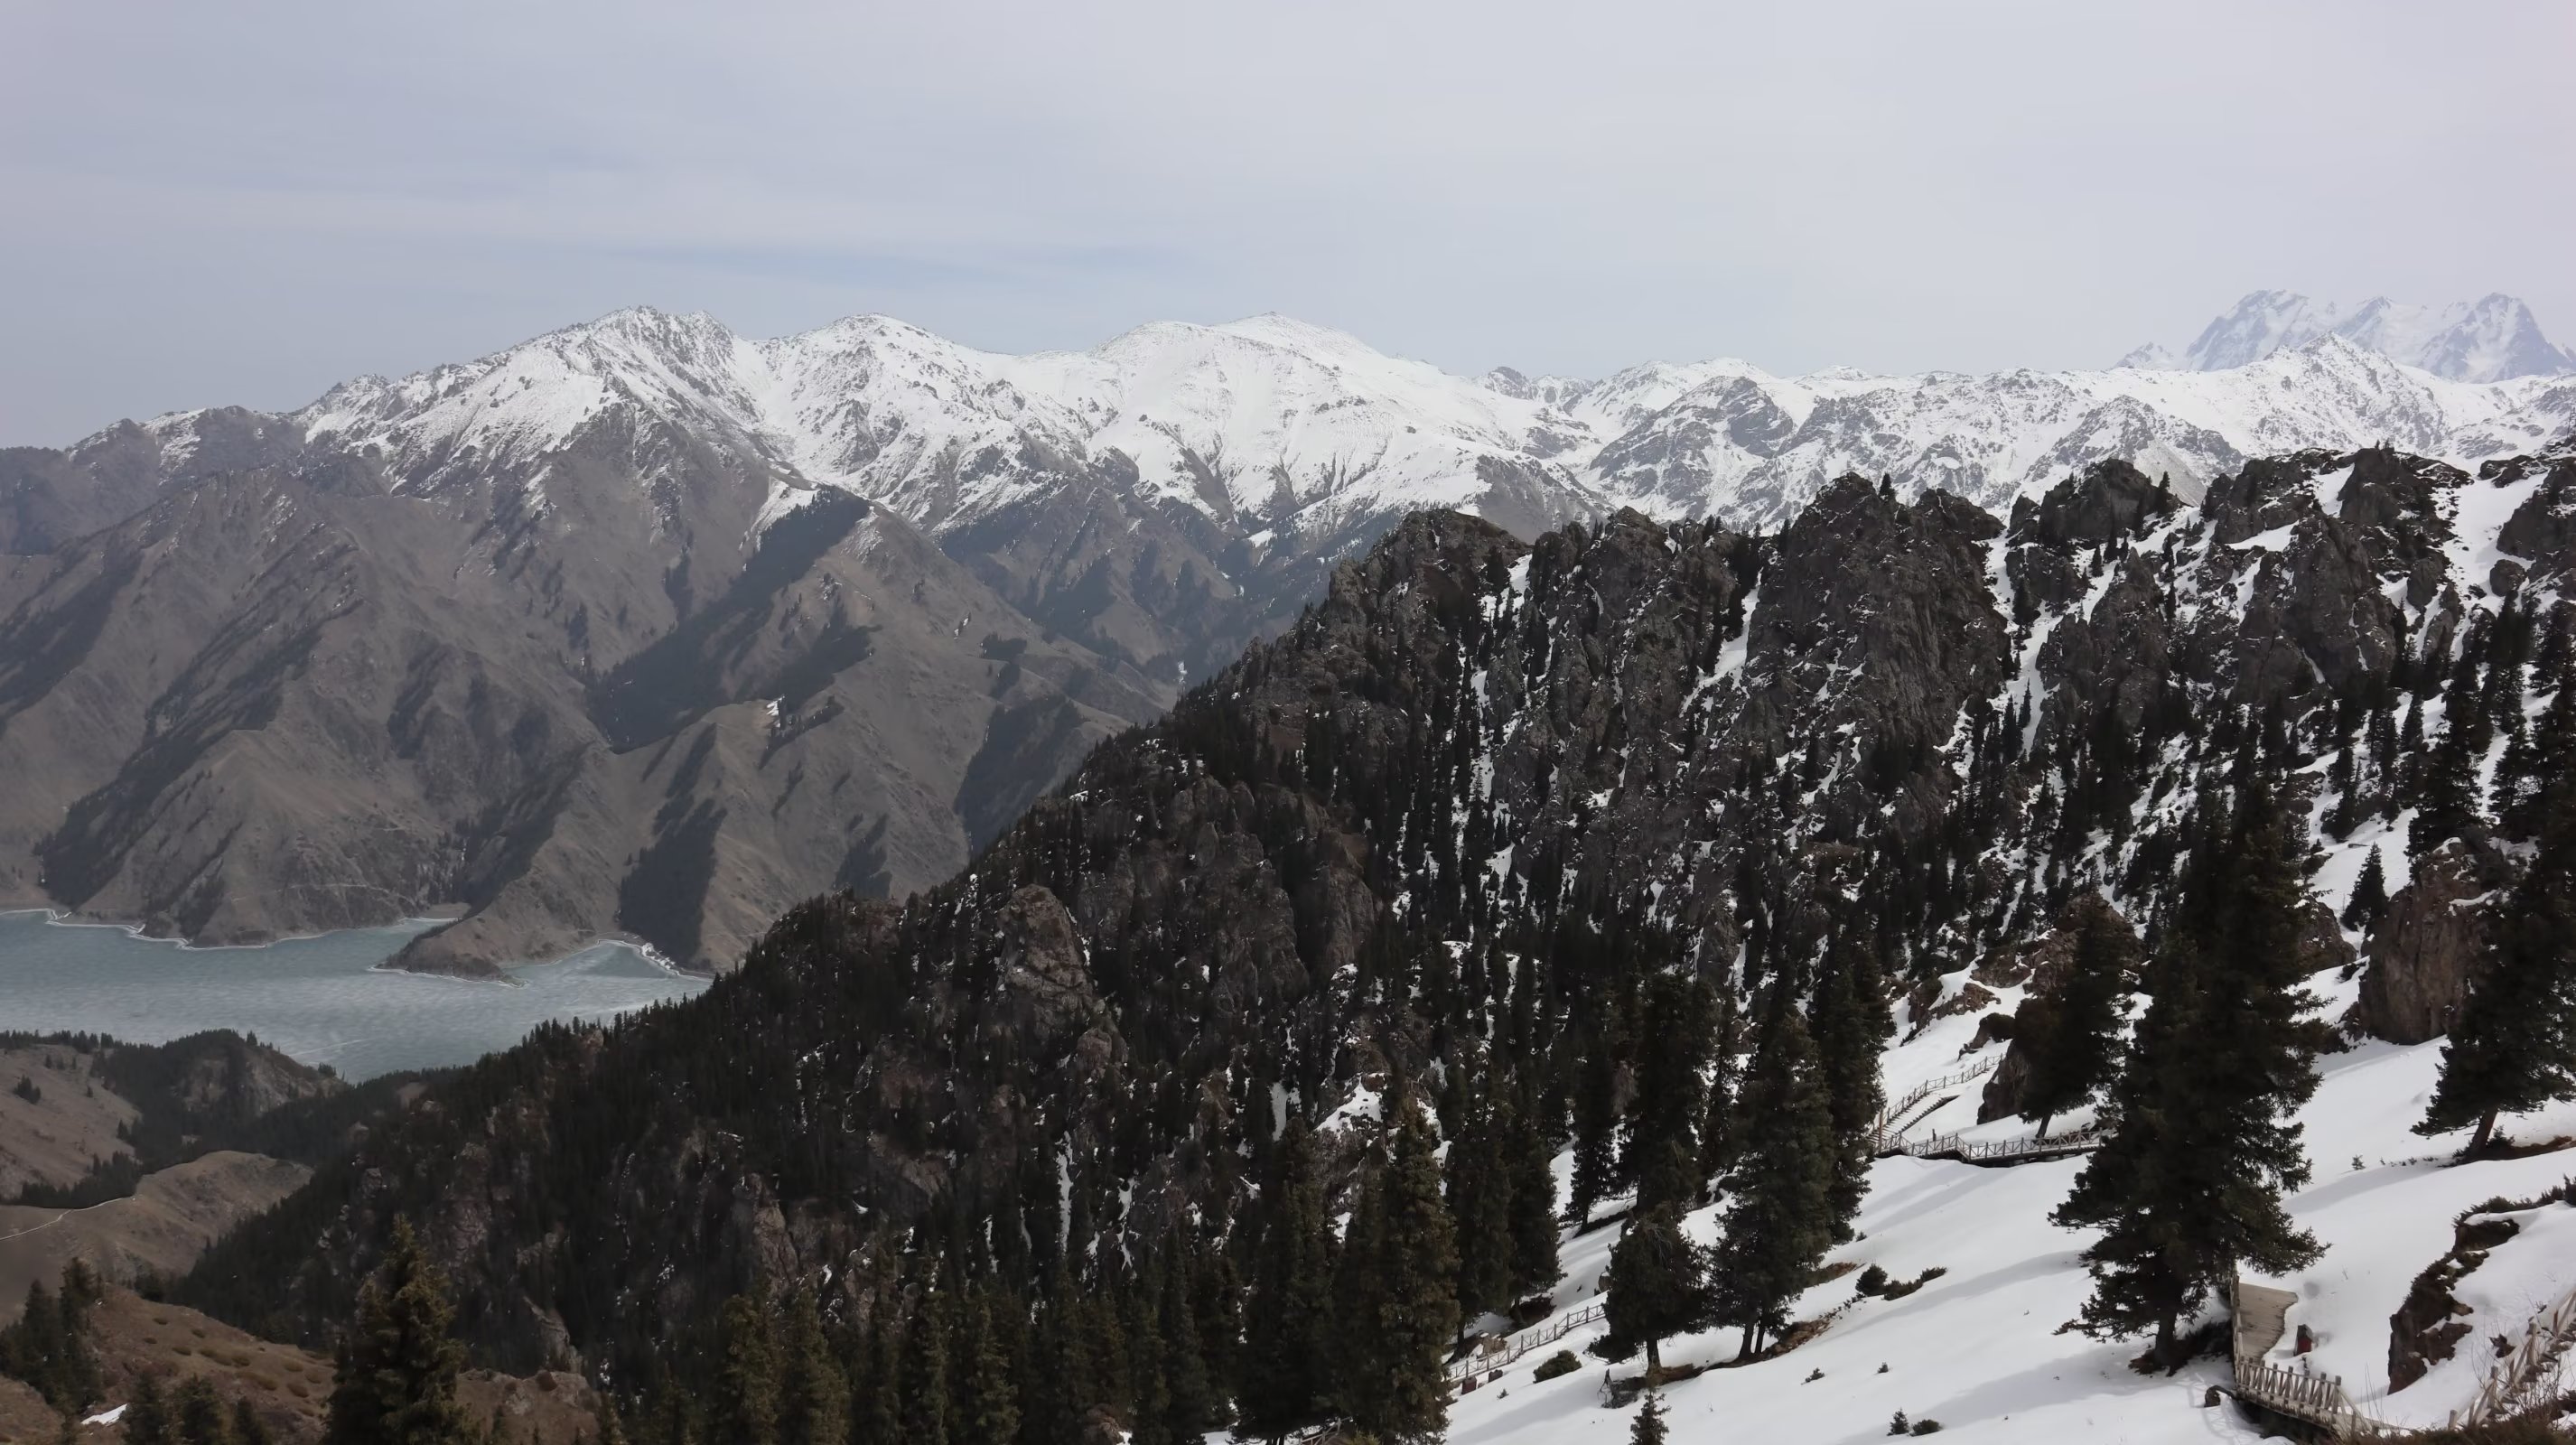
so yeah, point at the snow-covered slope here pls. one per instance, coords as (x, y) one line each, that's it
(2494, 338)
(1980, 1350)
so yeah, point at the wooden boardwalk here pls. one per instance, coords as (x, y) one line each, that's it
(1496, 1353)
(1887, 1136)
(2025, 1150)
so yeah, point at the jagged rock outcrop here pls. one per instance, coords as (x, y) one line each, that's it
(2428, 1327)
(2423, 955)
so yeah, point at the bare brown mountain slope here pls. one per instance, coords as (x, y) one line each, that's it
(636, 690)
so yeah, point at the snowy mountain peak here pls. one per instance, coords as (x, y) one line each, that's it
(1269, 424)
(2495, 338)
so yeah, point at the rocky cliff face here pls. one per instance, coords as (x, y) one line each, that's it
(2424, 954)
(1479, 790)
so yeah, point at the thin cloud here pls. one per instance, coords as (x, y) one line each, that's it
(246, 203)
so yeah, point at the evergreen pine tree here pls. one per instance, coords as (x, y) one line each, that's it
(250, 1429)
(925, 1373)
(743, 1406)
(2369, 901)
(396, 1378)
(876, 1396)
(1653, 1286)
(197, 1413)
(813, 1393)
(1596, 1122)
(1649, 1428)
(147, 1415)
(1779, 1218)
(2448, 791)
(2076, 1024)
(1478, 1189)
(1189, 1391)
(992, 1396)
(1533, 1205)
(2189, 1182)
(1398, 1324)
(1149, 1394)
(1848, 1024)
(2513, 1048)
(1288, 1358)
(2525, 791)
(1671, 1094)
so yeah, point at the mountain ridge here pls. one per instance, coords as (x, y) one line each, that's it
(2494, 338)
(1472, 821)
(1057, 545)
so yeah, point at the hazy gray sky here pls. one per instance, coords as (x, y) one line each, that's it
(244, 202)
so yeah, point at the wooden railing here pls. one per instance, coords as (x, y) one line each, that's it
(1894, 1120)
(2317, 1399)
(1475, 1364)
(2517, 1382)
(2002, 1151)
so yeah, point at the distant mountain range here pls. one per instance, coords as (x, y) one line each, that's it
(2494, 338)
(646, 628)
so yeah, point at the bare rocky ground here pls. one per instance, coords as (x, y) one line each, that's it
(157, 1232)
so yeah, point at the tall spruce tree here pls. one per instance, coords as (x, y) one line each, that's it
(1288, 1358)
(1779, 1216)
(2369, 901)
(2449, 791)
(813, 1390)
(2514, 1046)
(1191, 1406)
(1533, 1201)
(925, 1371)
(250, 1429)
(1850, 1023)
(395, 1383)
(1653, 1288)
(147, 1415)
(1478, 1184)
(2189, 1182)
(1649, 1428)
(992, 1409)
(2526, 791)
(1671, 1095)
(743, 1407)
(2075, 1025)
(198, 1416)
(1596, 1119)
(876, 1395)
(1397, 1325)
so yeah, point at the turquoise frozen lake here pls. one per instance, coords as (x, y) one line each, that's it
(321, 1000)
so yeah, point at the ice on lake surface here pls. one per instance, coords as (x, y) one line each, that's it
(321, 1000)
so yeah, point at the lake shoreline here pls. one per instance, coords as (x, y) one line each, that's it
(330, 998)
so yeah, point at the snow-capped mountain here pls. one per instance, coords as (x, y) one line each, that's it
(1269, 428)
(1257, 421)
(2494, 338)
(665, 542)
